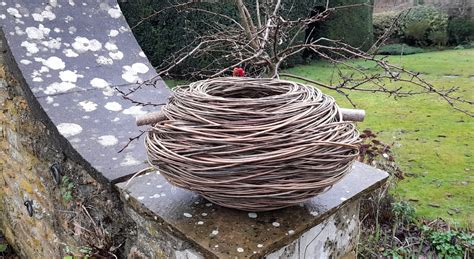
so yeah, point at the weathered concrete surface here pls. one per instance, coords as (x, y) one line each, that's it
(215, 231)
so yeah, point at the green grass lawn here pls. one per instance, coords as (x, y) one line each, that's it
(433, 143)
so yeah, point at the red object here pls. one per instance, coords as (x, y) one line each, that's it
(238, 72)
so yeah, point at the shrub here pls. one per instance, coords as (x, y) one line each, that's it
(419, 22)
(438, 38)
(460, 30)
(416, 32)
(399, 49)
(383, 21)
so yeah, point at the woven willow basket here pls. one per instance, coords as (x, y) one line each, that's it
(252, 144)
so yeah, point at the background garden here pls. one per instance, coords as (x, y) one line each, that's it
(421, 140)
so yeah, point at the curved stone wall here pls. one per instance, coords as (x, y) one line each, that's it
(63, 66)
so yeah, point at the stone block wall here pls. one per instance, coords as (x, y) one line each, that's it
(77, 216)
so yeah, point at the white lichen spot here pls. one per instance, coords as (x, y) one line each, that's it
(72, 30)
(276, 224)
(52, 43)
(102, 60)
(88, 106)
(18, 31)
(240, 250)
(252, 215)
(49, 100)
(187, 215)
(314, 213)
(155, 196)
(130, 73)
(53, 62)
(99, 83)
(37, 33)
(113, 33)
(129, 160)
(14, 12)
(291, 232)
(30, 47)
(108, 91)
(46, 14)
(111, 46)
(140, 198)
(25, 62)
(69, 76)
(108, 140)
(83, 44)
(140, 68)
(343, 199)
(37, 79)
(68, 19)
(214, 232)
(142, 54)
(69, 129)
(59, 87)
(2, 16)
(70, 53)
(134, 110)
(118, 55)
(200, 222)
(123, 29)
(259, 245)
(113, 106)
(114, 12)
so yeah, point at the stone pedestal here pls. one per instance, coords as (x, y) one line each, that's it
(175, 223)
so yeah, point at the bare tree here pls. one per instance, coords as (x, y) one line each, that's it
(263, 38)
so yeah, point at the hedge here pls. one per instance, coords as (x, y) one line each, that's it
(164, 34)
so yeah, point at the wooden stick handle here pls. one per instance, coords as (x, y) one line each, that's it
(352, 114)
(154, 117)
(150, 118)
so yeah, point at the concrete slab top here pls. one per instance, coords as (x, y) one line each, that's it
(223, 232)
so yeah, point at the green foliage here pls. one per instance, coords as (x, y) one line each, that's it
(419, 22)
(171, 30)
(438, 38)
(399, 49)
(416, 32)
(67, 187)
(460, 30)
(352, 24)
(3, 248)
(383, 21)
(421, 25)
(451, 244)
(404, 212)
